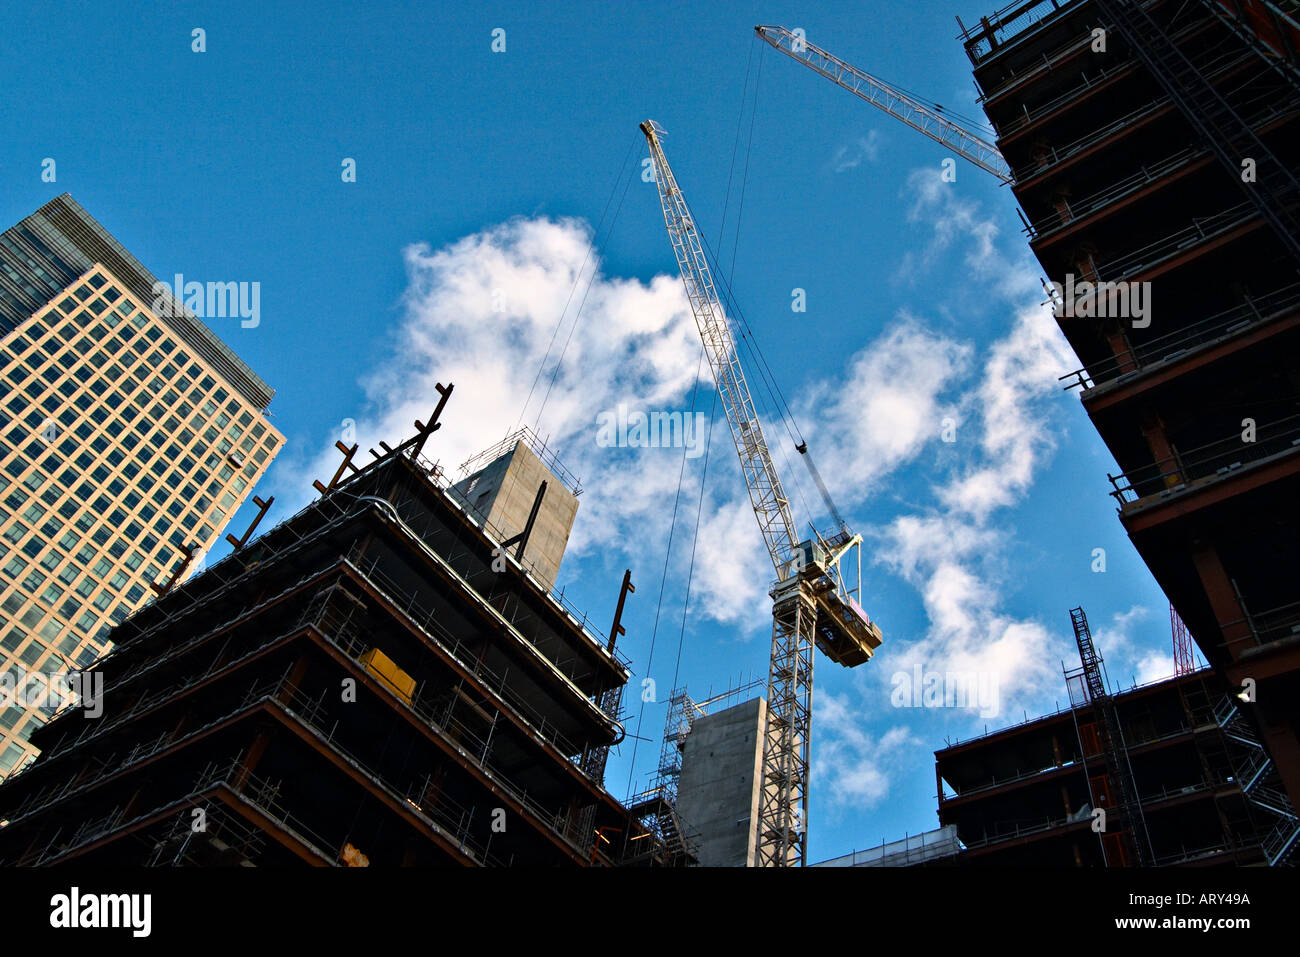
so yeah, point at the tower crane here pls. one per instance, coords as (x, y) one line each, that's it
(927, 119)
(944, 130)
(813, 604)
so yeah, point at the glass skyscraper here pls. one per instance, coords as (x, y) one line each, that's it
(125, 437)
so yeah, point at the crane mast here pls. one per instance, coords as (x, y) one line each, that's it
(813, 605)
(921, 117)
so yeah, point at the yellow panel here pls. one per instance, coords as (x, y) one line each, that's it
(383, 668)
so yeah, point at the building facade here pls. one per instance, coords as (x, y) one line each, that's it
(1154, 147)
(127, 440)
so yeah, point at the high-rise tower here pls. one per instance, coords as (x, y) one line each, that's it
(127, 440)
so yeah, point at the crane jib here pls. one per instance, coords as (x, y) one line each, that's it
(932, 121)
(768, 498)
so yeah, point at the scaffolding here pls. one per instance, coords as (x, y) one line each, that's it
(1112, 788)
(539, 448)
(656, 806)
(1184, 647)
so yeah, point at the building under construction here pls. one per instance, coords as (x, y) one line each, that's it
(703, 800)
(384, 678)
(1165, 774)
(1153, 148)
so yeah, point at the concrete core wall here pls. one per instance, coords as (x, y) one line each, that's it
(717, 794)
(502, 493)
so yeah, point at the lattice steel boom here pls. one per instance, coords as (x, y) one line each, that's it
(765, 491)
(813, 607)
(922, 118)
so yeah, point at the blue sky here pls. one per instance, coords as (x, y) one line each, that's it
(482, 173)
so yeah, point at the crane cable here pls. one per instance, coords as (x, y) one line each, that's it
(690, 571)
(512, 478)
(708, 445)
(559, 363)
(748, 339)
(559, 322)
(663, 580)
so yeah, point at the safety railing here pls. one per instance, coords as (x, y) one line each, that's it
(1158, 351)
(1207, 463)
(1008, 23)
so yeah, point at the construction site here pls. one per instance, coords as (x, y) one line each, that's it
(393, 677)
(356, 687)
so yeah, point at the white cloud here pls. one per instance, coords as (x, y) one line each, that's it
(863, 149)
(481, 312)
(953, 551)
(732, 566)
(1154, 666)
(853, 765)
(1016, 434)
(956, 566)
(953, 218)
(1126, 643)
(886, 407)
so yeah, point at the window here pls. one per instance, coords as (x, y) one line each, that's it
(10, 758)
(16, 531)
(32, 653)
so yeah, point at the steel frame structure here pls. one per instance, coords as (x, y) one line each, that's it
(1129, 844)
(1222, 130)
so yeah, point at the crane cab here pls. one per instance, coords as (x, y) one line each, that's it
(844, 633)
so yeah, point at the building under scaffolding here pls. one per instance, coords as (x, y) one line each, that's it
(380, 679)
(704, 796)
